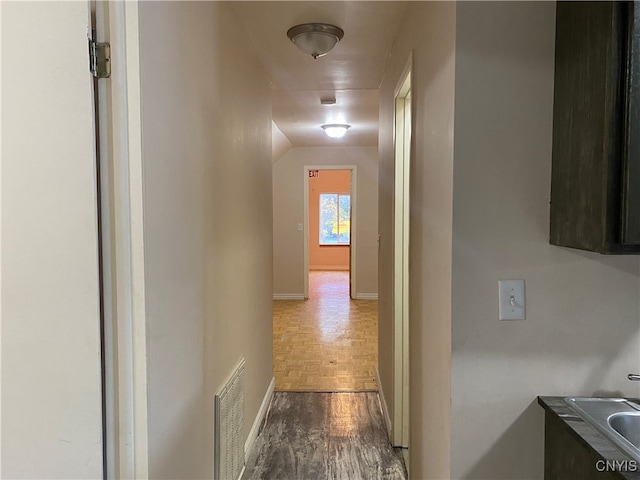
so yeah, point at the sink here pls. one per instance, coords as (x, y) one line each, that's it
(628, 425)
(617, 419)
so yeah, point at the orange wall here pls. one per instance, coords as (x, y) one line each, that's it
(326, 257)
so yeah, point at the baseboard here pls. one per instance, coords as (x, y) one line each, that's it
(383, 403)
(255, 429)
(405, 457)
(330, 268)
(288, 296)
(366, 296)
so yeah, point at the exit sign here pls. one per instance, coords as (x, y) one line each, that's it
(314, 173)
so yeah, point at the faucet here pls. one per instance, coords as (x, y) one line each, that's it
(633, 376)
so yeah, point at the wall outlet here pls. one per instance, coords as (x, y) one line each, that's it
(512, 299)
(299, 227)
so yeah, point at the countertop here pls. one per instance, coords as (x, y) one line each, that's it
(589, 436)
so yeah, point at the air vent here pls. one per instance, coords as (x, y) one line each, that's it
(229, 425)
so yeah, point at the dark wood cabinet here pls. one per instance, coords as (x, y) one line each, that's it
(595, 186)
(566, 457)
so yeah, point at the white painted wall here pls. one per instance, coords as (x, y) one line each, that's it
(581, 333)
(427, 30)
(51, 397)
(288, 212)
(206, 120)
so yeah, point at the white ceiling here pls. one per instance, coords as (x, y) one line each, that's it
(352, 71)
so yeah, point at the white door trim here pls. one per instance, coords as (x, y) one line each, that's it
(123, 241)
(402, 161)
(354, 209)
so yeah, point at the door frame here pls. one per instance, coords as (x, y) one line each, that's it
(352, 244)
(401, 262)
(121, 203)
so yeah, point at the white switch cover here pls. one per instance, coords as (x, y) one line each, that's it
(299, 227)
(512, 299)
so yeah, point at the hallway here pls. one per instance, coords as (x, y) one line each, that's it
(141, 258)
(322, 436)
(328, 342)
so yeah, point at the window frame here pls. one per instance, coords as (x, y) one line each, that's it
(336, 244)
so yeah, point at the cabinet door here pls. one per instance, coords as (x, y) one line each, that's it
(595, 185)
(631, 164)
(587, 125)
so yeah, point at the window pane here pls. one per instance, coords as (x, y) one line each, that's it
(345, 218)
(328, 218)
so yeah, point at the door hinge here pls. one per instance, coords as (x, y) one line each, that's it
(100, 59)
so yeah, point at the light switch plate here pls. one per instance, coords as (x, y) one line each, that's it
(512, 299)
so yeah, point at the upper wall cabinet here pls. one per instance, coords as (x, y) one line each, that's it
(595, 185)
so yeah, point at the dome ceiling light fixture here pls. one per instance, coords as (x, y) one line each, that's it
(336, 130)
(315, 39)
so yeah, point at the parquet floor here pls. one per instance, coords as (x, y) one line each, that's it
(328, 342)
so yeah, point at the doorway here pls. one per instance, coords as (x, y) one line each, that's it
(330, 194)
(329, 237)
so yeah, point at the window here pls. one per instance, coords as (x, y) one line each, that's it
(335, 219)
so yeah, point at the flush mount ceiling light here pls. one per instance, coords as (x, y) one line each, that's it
(315, 39)
(336, 130)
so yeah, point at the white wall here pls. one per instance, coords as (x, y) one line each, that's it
(581, 333)
(51, 395)
(288, 211)
(427, 30)
(206, 118)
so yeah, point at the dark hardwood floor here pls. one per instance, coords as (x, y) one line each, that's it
(312, 436)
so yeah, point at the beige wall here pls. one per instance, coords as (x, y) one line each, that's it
(332, 257)
(206, 118)
(51, 393)
(428, 30)
(288, 212)
(581, 332)
(280, 144)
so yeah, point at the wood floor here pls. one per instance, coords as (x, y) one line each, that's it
(328, 342)
(321, 436)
